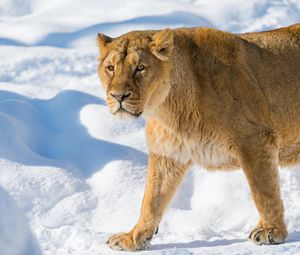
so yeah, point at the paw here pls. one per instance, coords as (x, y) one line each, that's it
(126, 242)
(267, 236)
(121, 242)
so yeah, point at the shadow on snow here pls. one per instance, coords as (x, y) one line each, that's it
(196, 244)
(293, 237)
(49, 132)
(174, 19)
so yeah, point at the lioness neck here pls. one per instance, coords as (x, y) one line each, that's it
(183, 103)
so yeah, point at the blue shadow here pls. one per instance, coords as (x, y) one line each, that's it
(63, 40)
(196, 244)
(55, 136)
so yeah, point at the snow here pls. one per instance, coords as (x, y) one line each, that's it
(15, 235)
(71, 174)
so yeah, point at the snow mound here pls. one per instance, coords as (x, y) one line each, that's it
(50, 131)
(15, 235)
(73, 24)
(51, 161)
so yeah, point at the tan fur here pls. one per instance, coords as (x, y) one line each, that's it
(210, 98)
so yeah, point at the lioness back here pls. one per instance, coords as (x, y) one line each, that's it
(275, 65)
(282, 40)
(262, 69)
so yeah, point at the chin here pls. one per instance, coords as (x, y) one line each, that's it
(124, 114)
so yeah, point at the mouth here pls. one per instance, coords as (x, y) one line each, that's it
(121, 111)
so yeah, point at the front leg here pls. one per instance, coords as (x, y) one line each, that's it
(259, 159)
(163, 179)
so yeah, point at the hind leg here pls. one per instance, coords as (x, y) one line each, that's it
(259, 159)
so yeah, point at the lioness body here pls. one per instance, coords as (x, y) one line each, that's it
(244, 84)
(210, 98)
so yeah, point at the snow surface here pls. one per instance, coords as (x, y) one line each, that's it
(71, 174)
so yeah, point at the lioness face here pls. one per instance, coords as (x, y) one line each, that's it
(134, 70)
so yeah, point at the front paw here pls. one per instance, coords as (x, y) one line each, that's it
(121, 242)
(128, 242)
(267, 236)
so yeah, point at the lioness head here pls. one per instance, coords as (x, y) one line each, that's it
(134, 70)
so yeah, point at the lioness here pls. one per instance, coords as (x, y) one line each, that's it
(210, 98)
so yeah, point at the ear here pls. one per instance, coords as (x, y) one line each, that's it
(162, 44)
(102, 41)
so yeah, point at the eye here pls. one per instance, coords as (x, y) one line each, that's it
(110, 68)
(140, 68)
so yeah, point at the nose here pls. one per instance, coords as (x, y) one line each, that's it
(121, 97)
